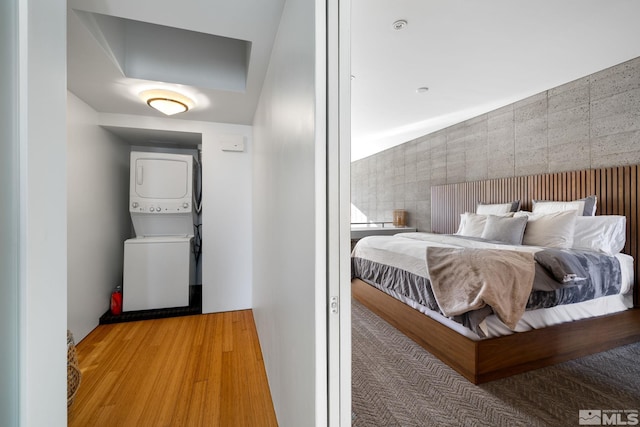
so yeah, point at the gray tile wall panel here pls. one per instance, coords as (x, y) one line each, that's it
(591, 122)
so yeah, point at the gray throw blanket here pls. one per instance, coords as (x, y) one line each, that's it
(465, 279)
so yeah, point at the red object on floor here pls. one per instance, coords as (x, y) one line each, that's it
(116, 301)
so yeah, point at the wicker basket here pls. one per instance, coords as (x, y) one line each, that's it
(73, 370)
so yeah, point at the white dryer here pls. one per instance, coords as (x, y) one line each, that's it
(157, 267)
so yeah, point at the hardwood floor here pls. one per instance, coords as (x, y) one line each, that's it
(204, 370)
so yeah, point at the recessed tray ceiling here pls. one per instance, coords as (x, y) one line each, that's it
(155, 138)
(148, 51)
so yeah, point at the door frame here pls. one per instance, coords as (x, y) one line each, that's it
(338, 212)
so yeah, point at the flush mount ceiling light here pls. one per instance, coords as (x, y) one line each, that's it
(400, 24)
(422, 89)
(166, 101)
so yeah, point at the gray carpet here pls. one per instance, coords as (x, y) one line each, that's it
(397, 383)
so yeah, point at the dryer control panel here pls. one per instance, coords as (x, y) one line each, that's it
(173, 207)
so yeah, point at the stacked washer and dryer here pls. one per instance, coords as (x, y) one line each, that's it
(158, 267)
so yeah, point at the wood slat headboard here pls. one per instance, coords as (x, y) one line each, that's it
(615, 187)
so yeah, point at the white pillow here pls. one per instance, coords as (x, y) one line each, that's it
(542, 208)
(603, 233)
(471, 225)
(497, 208)
(554, 230)
(585, 206)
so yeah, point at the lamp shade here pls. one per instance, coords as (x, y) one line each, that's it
(167, 106)
(167, 102)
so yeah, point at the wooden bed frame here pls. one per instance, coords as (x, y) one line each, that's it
(493, 358)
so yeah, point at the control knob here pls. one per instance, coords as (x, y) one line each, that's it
(152, 209)
(185, 205)
(134, 205)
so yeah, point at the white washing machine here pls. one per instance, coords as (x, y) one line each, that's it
(157, 267)
(156, 272)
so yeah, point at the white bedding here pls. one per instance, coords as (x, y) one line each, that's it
(407, 251)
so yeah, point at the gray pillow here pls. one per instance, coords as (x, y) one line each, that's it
(505, 229)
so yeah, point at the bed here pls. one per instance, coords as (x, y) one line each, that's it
(485, 352)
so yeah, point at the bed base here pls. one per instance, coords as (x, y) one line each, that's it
(494, 358)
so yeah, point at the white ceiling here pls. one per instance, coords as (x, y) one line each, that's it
(97, 43)
(474, 56)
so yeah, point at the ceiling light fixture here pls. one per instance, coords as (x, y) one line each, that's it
(166, 101)
(400, 24)
(422, 89)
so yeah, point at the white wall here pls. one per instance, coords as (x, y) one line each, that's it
(285, 217)
(42, 244)
(98, 215)
(227, 259)
(226, 208)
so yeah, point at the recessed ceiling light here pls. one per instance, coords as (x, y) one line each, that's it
(166, 101)
(422, 89)
(400, 24)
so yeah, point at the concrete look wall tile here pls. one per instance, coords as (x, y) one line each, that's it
(455, 161)
(501, 121)
(616, 114)
(476, 163)
(501, 143)
(570, 125)
(423, 215)
(398, 192)
(456, 132)
(591, 122)
(500, 111)
(617, 149)
(478, 120)
(572, 156)
(411, 191)
(620, 123)
(534, 99)
(616, 104)
(531, 125)
(423, 169)
(423, 190)
(534, 109)
(410, 149)
(501, 166)
(532, 162)
(423, 150)
(531, 139)
(438, 175)
(569, 96)
(615, 80)
(385, 211)
(567, 87)
(410, 171)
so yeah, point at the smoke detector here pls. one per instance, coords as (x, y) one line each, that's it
(400, 24)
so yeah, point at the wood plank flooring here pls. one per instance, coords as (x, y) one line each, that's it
(204, 370)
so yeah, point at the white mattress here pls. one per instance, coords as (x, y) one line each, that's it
(408, 253)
